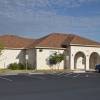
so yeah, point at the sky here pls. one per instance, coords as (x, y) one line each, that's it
(37, 18)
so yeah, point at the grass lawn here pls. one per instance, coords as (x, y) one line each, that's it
(8, 71)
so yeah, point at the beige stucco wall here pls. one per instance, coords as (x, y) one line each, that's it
(10, 56)
(84, 49)
(42, 59)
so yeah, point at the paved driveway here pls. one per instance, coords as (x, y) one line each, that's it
(58, 86)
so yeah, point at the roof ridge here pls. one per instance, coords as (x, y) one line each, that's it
(37, 41)
(58, 33)
(16, 36)
(68, 39)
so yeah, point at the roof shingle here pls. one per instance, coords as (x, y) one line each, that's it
(54, 40)
(12, 41)
(60, 40)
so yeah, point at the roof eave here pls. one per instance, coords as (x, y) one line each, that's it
(14, 48)
(84, 45)
(38, 47)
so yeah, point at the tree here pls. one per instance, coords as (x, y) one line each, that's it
(1, 48)
(56, 59)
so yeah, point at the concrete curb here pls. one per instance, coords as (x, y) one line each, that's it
(26, 73)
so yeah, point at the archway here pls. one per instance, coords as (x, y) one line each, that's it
(80, 61)
(94, 60)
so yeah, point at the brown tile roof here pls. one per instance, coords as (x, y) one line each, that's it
(56, 40)
(12, 41)
(52, 40)
(60, 40)
(84, 41)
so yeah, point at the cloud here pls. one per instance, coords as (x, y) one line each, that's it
(35, 5)
(28, 10)
(18, 9)
(40, 16)
(50, 23)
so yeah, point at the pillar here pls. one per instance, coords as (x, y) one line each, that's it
(87, 62)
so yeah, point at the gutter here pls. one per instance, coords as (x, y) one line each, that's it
(85, 45)
(50, 48)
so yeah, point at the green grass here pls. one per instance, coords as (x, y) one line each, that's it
(4, 71)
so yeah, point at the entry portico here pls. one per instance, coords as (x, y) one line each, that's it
(84, 57)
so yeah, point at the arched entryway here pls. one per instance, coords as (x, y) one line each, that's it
(80, 61)
(94, 60)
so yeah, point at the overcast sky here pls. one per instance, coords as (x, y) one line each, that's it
(36, 18)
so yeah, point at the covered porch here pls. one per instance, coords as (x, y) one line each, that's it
(84, 58)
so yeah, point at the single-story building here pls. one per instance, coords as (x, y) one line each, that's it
(79, 53)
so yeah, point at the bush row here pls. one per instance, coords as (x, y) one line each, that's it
(19, 66)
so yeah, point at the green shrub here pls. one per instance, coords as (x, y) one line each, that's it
(13, 66)
(19, 66)
(55, 58)
(30, 68)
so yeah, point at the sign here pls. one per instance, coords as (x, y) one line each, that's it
(26, 57)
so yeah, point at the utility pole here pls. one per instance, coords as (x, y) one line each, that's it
(26, 58)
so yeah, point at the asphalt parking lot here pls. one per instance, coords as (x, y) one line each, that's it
(57, 86)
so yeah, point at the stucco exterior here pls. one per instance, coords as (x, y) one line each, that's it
(42, 56)
(9, 56)
(76, 57)
(87, 51)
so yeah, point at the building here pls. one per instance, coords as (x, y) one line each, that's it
(80, 53)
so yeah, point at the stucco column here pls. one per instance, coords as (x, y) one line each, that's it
(87, 62)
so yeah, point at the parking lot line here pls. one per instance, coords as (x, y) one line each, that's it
(35, 77)
(68, 74)
(7, 79)
(76, 75)
(61, 73)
